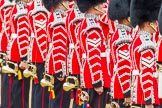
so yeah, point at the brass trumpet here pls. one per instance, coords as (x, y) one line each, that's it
(30, 71)
(8, 70)
(114, 104)
(67, 86)
(47, 81)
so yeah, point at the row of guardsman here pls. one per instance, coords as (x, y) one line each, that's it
(81, 53)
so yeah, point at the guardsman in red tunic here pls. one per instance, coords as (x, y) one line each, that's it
(159, 58)
(56, 61)
(95, 78)
(144, 13)
(38, 16)
(120, 52)
(17, 49)
(5, 11)
(73, 20)
(108, 28)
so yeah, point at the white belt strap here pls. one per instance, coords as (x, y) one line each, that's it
(135, 72)
(14, 36)
(155, 75)
(103, 54)
(84, 56)
(71, 45)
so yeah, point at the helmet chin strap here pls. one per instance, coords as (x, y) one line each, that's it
(67, 8)
(153, 26)
(96, 7)
(128, 19)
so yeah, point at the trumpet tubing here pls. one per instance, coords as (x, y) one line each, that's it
(67, 86)
(8, 70)
(45, 83)
(27, 73)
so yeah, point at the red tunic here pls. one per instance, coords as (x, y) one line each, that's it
(38, 16)
(93, 54)
(18, 44)
(5, 30)
(58, 50)
(144, 82)
(121, 80)
(73, 21)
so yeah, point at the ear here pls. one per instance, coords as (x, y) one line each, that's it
(146, 24)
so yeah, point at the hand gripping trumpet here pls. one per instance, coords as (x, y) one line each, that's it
(71, 83)
(10, 68)
(48, 81)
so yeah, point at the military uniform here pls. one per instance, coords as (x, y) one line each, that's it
(5, 11)
(38, 17)
(120, 53)
(73, 20)
(93, 56)
(17, 52)
(57, 56)
(144, 75)
(56, 61)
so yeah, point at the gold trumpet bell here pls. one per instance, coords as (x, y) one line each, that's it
(67, 86)
(7, 70)
(114, 105)
(47, 81)
(30, 71)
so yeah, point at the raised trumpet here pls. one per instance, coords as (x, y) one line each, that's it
(30, 71)
(47, 81)
(10, 68)
(68, 85)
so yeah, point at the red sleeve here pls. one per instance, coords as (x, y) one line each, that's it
(94, 58)
(124, 68)
(23, 36)
(147, 69)
(60, 49)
